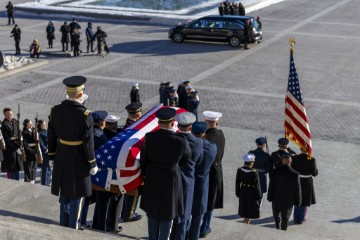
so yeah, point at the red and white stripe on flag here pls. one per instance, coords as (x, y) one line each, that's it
(296, 124)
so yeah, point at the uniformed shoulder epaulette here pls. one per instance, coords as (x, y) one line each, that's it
(87, 112)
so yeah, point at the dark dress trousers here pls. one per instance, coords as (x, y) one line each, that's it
(307, 169)
(162, 154)
(247, 189)
(216, 184)
(71, 146)
(262, 165)
(30, 153)
(284, 192)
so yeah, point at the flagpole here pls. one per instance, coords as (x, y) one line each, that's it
(292, 42)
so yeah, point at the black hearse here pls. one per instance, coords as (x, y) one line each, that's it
(228, 28)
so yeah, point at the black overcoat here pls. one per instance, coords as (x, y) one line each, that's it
(11, 159)
(284, 187)
(29, 145)
(262, 164)
(65, 33)
(306, 168)
(201, 191)
(247, 189)
(162, 154)
(134, 95)
(216, 184)
(71, 121)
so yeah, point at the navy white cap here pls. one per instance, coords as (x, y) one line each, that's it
(185, 118)
(134, 84)
(212, 116)
(112, 118)
(249, 157)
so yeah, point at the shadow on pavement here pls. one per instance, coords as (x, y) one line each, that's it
(167, 47)
(354, 220)
(229, 217)
(27, 217)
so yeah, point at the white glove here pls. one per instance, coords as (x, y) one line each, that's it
(94, 170)
(51, 163)
(19, 151)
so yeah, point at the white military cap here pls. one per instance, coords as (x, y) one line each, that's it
(112, 118)
(185, 118)
(212, 116)
(188, 87)
(134, 84)
(181, 82)
(249, 157)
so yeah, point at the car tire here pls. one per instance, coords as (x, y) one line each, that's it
(178, 37)
(234, 41)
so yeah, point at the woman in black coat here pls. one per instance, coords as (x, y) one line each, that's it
(30, 151)
(247, 189)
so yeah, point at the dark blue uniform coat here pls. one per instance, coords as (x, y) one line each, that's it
(187, 174)
(161, 156)
(11, 159)
(262, 164)
(70, 121)
(202, 171)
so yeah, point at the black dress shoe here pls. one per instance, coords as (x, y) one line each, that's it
(117, 230)
(203, 235)
(136, 217)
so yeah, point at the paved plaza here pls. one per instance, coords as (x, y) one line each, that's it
(248, 87)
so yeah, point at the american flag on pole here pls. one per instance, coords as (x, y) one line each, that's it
(118, 159)
(296, 124)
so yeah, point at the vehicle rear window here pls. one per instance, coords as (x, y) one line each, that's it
(230, 24)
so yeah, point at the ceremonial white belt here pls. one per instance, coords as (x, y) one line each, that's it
(31, 144)
(305, 176)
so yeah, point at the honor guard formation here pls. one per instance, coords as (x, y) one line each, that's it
(181, 162)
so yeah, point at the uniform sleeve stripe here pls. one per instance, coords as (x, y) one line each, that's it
(91, 161)
(51, 153)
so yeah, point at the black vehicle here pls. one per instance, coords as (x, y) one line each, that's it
(227, 28)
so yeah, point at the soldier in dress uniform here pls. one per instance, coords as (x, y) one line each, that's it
(161, 156)
(216, 184)
(134, 93)
(201, 189)
(134, 113)
(30, 164)
(9, 129)
(307, 169)
(71, 147)
(130, 204)
(247, 189)
(185, 121)
(173, 98)
(192, 102)
(168, 89)
(262, 163)
(182, 94)
(161, 91)
(276, 157)
(284, 192)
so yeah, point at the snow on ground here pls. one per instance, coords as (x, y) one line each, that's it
(12, 62)
(84, 6)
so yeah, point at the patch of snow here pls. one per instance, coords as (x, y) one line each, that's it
(12, 62)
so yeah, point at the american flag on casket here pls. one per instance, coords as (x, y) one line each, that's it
(118, 159)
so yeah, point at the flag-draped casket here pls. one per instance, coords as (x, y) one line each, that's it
(118, 159)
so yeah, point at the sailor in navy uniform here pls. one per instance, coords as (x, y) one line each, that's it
(112, 127)
(262, 163)
(247, 189)
(134, 93)
(71, 147)
(307, 169)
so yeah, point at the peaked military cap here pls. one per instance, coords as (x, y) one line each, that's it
(99, 116)
(173, 90)
(212, 116)
(75, 83)
(186, 82)
(249, 157)
(199, 128)
(134, 84)
(286, 155)
(260, 141)
(166, 115)
(134, 107)
(283, 141)
(162, 83)
(185, 118)
(167, 84)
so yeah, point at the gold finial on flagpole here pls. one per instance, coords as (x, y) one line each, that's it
(292, 42)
